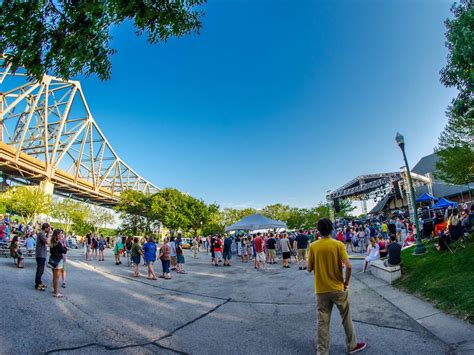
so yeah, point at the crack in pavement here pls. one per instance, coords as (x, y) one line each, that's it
(155, 342)
(384, 326)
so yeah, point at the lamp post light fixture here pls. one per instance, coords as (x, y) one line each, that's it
(419, 248)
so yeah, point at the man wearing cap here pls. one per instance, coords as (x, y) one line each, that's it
(41, 254)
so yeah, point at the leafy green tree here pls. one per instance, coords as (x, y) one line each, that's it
(100, 217)
(456, 143)
(63, 210)
(199, 214)
(27, 202)
(170, 206)
(80, 218)
(73, 37)
(135, 210)
(277, 211)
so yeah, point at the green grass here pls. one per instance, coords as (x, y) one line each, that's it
(443, 278)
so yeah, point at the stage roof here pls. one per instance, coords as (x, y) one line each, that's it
(364, 184)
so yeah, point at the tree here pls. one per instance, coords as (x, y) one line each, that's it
(27, 202)
(73, 37)
(199, 214)
(63, 210)
(456, 143)
(135, 209)
(100, 217)
(80, 216)
(170, 207)
(277, 211)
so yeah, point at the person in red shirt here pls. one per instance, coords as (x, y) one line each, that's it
(217, 250)
(258, 246)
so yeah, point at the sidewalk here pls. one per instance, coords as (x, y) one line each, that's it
(459, 335)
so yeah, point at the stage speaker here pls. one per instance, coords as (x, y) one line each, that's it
(396, 188)
(337, 207)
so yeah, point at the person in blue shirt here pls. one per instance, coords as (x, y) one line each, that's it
(149, 253)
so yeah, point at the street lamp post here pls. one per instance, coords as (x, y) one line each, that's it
(419, 248)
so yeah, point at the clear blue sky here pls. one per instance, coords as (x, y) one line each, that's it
(277, 101)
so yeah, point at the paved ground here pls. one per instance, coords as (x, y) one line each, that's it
(234, 310)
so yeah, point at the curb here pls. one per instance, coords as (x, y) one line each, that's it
(450, 330)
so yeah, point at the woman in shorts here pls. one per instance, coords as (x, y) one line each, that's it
(56, 259)
(118, 250)
(149, 252)
(285, 249)
(180, 257)
(135, 256)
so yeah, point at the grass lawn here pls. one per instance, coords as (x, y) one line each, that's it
(445, 279)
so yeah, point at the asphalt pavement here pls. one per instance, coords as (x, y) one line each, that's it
(219, 310)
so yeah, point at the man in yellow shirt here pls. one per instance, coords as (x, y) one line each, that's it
(326, 257)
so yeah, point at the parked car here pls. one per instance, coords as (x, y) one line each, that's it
(186, 243)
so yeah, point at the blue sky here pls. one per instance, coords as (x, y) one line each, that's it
(277, 101)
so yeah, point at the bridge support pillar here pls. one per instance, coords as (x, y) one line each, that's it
(47, 187)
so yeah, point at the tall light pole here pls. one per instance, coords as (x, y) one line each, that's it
(419, 248)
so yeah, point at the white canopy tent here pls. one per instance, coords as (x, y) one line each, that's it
(255, 222)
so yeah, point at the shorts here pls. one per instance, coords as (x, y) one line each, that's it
(302, 254)
(88, 248)
(261, 257)
(136, 260)
(149, 261)
(180, 258)
(165, 264)
(173, 260)
(272, 253)
(227, 255)
(60, 265)
(286, 255)
(218, 255)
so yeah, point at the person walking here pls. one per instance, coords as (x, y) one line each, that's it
(102, 244)
(173, 259)
(56, 259)
(325, 258)
(165, 258)
(41, 254)
(195, 247)
(136, 253)
(149, 252)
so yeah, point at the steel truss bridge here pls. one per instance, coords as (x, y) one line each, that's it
(48, 136)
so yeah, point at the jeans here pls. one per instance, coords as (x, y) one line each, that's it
(166, 266)
(40, 262)
(325, 303)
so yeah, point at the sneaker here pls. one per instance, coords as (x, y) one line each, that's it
(300, 268)
(360, 346)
